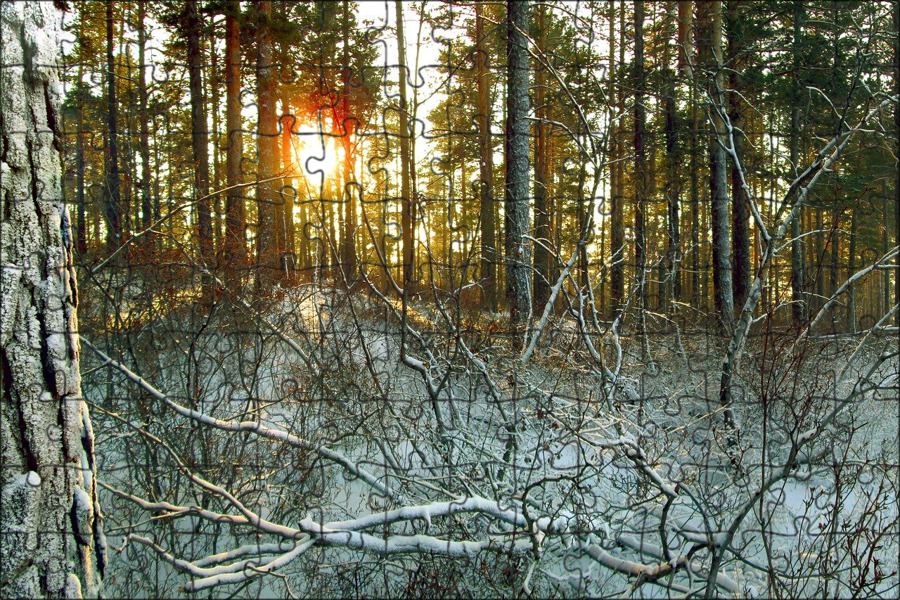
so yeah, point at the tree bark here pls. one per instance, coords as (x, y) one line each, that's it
(50, 519)
(268, 259)
(640, 157)
(518, 250)
(81, 220)
(235, 248)
(542, 254)
(199, 131)
(686, 43)
(146, 202)
(348, 236)
(489, 254)
(288, 192)
(800, 309)
(740, 220)
(113, 199)
(673, 184)
(406, 201)
(617, 229)
(710, 44)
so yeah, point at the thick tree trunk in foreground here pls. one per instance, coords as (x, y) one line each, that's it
(51, 539)
(518, 249)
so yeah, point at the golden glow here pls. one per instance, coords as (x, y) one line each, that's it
(316, 155)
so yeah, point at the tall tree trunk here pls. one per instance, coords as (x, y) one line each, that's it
(215, 96)
(288, 192)
(542, 254)
(518, 250)
(741, 203)
(235, 248)
(617, 230)
(349, 234)
(81, 226)
(51, 526)
(489, 254)
(710, 44)
(686, 43)
(126, 154)
(113, 198)
(406, 202)
(673, 185)
(800, 309)
(640, 174)
(895, 26)
(268, 259)
(146, 201)
(851, 269)
(199, 131)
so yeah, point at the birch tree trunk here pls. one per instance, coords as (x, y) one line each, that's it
(51, 532)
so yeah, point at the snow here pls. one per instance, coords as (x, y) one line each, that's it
(576, 489)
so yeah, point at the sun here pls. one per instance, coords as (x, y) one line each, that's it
(317, 155)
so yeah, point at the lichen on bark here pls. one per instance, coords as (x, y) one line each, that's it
(51, 538)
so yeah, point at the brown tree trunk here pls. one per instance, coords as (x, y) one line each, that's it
(51, 526)
(617, 230)
(489, 252)
(288, 192)
(348, 236)
(640, 173)
(268, 259)
(710, 44)
(518, 250)
(673, 185)
(685, 42)
(235, 248)
(217, 202)
(113, 198)
(800, 308)
(146, 201)
(81, 226)
(199, 131)
(406, 201)
(542, 254)
(741, 203)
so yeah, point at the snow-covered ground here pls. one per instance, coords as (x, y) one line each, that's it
(549, 477)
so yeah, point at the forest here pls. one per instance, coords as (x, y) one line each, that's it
(450, 299)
